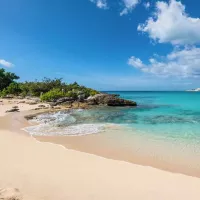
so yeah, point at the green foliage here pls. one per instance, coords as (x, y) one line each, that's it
(52, 95)
(47, 89)
(13, 89)
(37, 88)
(93, 92)
(6, 78)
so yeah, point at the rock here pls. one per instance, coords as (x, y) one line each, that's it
(10, 194)
(32, 103)
(61, 101)
(37, 108)
(29, 117)
(15, 107)
(120, 102)
(13, 110)
(110, 100)
(81, 97)
(41, 106)
(21, 102)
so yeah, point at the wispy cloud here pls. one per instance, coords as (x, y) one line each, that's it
(6, 63)
(100, 3)
(129, 5)
(172, 24)
(147, 5)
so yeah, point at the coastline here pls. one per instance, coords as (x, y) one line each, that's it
(42, 170)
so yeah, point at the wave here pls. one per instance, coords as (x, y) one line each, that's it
(61, 124)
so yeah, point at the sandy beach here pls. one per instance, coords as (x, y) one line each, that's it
(42, 171)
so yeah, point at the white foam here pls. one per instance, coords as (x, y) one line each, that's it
(75, 130)
(60, 124)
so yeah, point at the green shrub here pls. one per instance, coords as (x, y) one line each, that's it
(93, 92)
(72, 94)
(13, 88)
(52, 95)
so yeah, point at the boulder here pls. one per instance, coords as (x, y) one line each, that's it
(41, 106)
(13, 110)
(120, 102)
(61, 101)
(32, 103)
(109, 99)
(21, 102)
(81, 97)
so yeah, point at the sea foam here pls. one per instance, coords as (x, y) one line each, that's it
(61, 124)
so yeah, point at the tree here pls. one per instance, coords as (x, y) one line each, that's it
(6, 78)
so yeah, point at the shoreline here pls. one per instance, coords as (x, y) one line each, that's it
(45, 171)
(102, 144)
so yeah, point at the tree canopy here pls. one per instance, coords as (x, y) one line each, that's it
(6, 78)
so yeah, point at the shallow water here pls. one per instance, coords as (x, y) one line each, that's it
(165, 126)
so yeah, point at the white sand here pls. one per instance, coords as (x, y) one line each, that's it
(43, 171)
(6, 104)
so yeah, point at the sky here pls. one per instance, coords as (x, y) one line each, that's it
(141, 45)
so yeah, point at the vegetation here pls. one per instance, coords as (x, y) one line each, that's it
(6, 78)
(47, 89)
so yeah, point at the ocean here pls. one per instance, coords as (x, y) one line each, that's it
(164, 125)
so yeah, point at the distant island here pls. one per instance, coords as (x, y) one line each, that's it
(194, 90)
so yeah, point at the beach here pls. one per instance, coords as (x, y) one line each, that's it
(49, 171)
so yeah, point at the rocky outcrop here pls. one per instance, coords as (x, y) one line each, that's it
(109, 100)
(61, 101)
(98, 99)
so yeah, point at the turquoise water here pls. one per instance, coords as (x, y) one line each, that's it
(161, 115)
(164, 127)
(173, 115)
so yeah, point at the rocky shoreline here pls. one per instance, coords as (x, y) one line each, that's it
(66, 103)
(98, 99)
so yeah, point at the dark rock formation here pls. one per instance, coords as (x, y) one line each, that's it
(110, 100)
(61, 101)
(120, 102)
(13, 110)
(98, 99)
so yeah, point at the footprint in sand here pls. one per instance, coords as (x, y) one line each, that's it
(10, 194)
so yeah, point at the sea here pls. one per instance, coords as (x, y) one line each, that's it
(165, 125)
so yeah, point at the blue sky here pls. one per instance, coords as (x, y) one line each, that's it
(105, 44)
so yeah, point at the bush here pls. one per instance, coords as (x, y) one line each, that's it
(52, 95)
(47, 89)
(13, 88)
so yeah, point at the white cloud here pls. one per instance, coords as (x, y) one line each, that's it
(182, 63)
(129, 5)
(136, 62)
(5, 63)
(171, 23)
(147, 5)
(100, 3)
